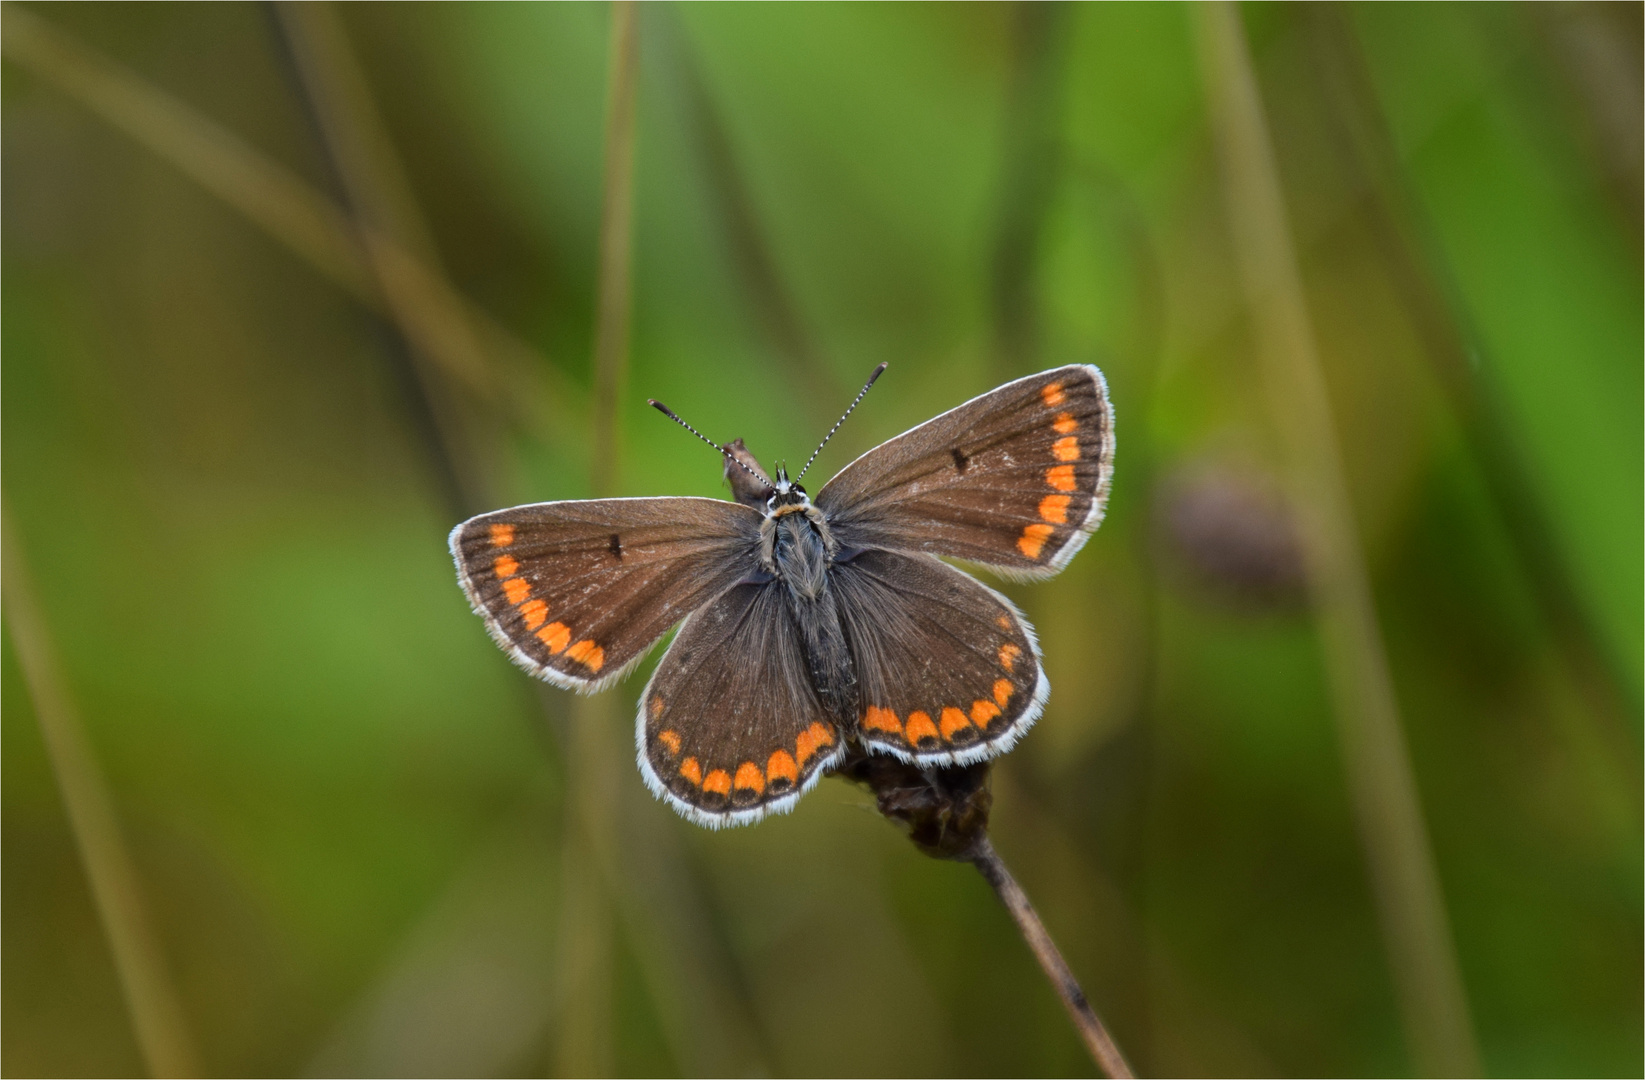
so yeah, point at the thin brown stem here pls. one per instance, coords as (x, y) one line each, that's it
(151, 998)
(1097, 1040)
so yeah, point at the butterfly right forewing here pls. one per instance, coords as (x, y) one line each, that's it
(1015, 479)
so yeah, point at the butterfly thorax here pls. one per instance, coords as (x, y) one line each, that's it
(796, 547)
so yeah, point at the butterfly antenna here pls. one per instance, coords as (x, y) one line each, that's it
(840, 421)
(666, 411)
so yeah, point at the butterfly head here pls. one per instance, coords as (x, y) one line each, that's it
(785, 493)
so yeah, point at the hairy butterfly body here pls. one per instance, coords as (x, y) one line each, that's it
(808, 623)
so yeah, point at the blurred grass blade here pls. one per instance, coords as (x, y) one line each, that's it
(468, 990)
(293, 213)
(369, 166)
(1031, 159)
(761, 278)
(584, 1021)
(584, 1030)
(156, 1012)
(1431, 294)
(615, 284)
(385, 215)
(1403, 876)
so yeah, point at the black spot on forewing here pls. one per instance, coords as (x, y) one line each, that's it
(961, 462)
(617, 546)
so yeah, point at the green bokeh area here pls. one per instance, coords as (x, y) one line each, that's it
(362, 835)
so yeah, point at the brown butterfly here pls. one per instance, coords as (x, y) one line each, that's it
(810, 623)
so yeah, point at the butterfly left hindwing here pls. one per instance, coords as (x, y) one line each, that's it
(730, 727)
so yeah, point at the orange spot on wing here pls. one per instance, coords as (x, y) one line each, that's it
(1003, 691)
(656, 707)
(920, 727)
(516, 589)
(718, 781)
(534, 611)
(588, 654)
(953, 721)
(1053, 395)
(878, 719)
(505, 566)
(811, 740)
(670, 739)
(1061, 477)
(1008, 655)
(750, 778)
(1054, 508)
(982, 712)
(782, 767)
(555, 635)
(1003, 622)
(1066, 448)
(692, 771)
(1033, 538)
(1064, 424)
(502, 535)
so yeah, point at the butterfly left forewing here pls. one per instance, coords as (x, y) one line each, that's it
(948, 671)
(1015, 479)
(576, 591)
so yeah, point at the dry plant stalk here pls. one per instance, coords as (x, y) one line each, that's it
(945, 813)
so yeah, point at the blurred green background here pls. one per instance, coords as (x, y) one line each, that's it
(368, 845)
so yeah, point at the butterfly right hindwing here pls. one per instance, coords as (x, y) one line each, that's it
(730, 727)
(948, 671)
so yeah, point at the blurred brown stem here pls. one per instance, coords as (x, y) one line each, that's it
(1387, 807)
(1096, 1037)
(151, 998)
